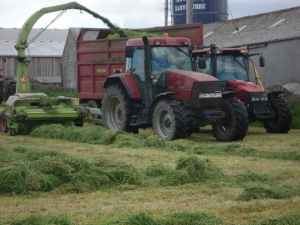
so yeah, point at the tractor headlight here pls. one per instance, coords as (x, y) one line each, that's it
(254, 99)
(259, 99)
(210, 95)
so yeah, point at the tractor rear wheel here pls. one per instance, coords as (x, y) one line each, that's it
(3, 125)
(117, 109)
(282, 121)
(235, 123)
(169, 120)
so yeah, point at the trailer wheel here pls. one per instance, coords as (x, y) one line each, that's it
(169, 120)
(235, 123)
(282, 121)
(93, 104)
(116, 109)
(11, 88)
(3, 125)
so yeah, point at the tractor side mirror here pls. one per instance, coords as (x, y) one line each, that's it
(202, 63)
(213, 49)
(262, 61)
(129, 50)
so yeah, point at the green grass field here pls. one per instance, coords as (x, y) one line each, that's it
(88, 175)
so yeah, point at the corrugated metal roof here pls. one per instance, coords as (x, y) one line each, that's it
(261, 28)
(50, 43)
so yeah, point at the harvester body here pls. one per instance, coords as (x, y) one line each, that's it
(24, 109)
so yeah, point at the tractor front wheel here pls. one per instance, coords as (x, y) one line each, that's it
(3, 125)
(117, 109)
(169, 120)
(235, 123)
(282, 121)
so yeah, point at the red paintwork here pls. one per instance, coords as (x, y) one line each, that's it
(182, 82)
(91, 72)
(130, 83)
(242, 87)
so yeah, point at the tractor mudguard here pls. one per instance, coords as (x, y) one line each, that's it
(158, 98)
(128, 82)
(274, 94)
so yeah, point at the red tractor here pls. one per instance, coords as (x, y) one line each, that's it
(230, 66)
(160, 88)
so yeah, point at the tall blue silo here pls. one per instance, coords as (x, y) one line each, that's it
(205, 11)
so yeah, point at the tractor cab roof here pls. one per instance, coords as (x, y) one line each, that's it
(222, 51)
(160, 41)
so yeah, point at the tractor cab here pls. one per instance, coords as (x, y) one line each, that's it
(225, 64)
(164, 54)
(231, 67)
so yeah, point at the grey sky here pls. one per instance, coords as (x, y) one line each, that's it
(126, 14)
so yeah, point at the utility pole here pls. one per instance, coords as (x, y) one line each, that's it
(189, 11)
(166, 12)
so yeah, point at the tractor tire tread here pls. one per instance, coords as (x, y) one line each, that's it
(239, 121)
(284, 116)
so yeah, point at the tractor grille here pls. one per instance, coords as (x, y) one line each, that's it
(210, 88)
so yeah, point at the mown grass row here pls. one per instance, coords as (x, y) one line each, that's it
(24, 170)
(31, 170)
(184, 218)
(99, 135)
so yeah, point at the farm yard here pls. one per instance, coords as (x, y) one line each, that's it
(89, 175)
(77, 172)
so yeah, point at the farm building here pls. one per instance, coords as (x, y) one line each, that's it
(44, 53)
(276, 35)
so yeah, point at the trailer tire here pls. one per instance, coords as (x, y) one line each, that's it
(117, 109)
(93, 104)
(235, 123)
(11, 88)
(282, 122)
(3, 122)
(169, 120)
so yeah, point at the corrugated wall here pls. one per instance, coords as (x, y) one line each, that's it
(42, 67)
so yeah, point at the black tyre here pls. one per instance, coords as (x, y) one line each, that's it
(11, 88)
(93, 104)
(282, 121)
(3, 125)
(116, 109)
(235, 123)
(169, 120)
